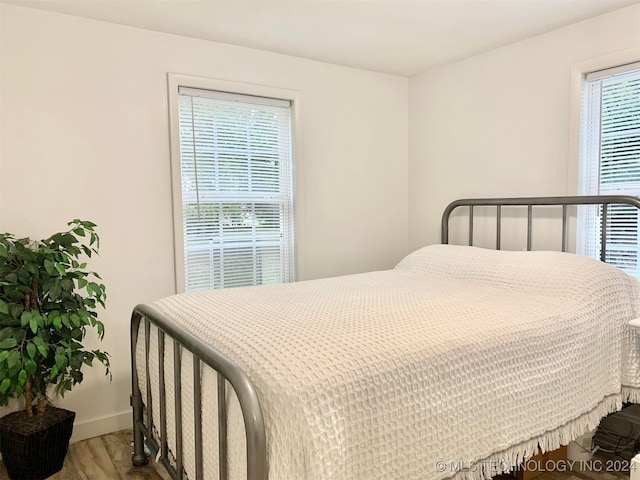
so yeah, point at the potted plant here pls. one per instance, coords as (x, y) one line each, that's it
(48, 302)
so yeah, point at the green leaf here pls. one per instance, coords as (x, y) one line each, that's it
(22, 377)
(4, 308)
(76, 362)
(54, 372)
(25, 318)
(79, 231)
(61, 362)
(33, 323)
(4, 386)
(67, 240)
(13, 360)
(3, 355)
(43, 350)
(57, 322)
(18, 391)
(31, 350)
(6, 332)
(8, 343)
(30, 366)
(48, 266)
(66, 386)
(3, 251)
(60, 268)
(82, 283)
(55, 291)
(16, 310)
(41, 345)
(77, 376)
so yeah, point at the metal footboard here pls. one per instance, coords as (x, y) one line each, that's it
(530, 202)
(226, 371)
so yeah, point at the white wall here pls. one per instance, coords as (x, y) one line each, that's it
(498, 124)
(85, 134)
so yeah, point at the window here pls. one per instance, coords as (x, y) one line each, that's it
(610, 162)
(235, 199)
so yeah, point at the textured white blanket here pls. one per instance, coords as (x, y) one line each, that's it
(457, 363)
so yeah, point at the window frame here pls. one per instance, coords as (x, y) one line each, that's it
(174, 82)
(578, 78)
(622, 247)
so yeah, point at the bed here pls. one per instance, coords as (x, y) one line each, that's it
(459, 363)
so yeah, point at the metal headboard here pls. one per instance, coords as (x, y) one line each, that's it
(602, 200)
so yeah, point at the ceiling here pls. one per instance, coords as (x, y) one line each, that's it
(392, 36)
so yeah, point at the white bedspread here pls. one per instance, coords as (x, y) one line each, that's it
(458, 355)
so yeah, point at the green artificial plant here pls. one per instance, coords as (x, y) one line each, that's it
(48, 302)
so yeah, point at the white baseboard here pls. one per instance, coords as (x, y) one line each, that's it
(101, 426)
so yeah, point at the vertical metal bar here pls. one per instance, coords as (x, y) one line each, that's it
(603, 233)
(470, 225)
(529, 225)
(498, 225)
(444, 228)
(177, 376)
(565, 227)
(162, 393)
(197, 415)
(147, 340)
(139, 457)
(222, 428)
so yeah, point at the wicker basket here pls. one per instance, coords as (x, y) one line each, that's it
(35, 455)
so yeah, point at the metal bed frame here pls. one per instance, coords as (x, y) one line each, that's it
(227, 371)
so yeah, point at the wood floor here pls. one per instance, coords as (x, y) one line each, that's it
(109, 458)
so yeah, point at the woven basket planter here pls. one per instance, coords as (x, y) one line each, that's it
(34, 448)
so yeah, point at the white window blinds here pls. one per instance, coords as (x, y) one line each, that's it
(610, 162)
(237, 215)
